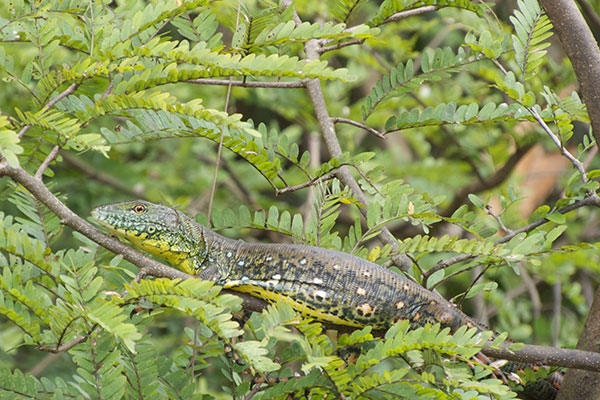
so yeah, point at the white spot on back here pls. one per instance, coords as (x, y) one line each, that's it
(303, 261)
(321, 293)
(337, 267)
(277, 277)
(229, 254)
(317, 281)
(241, 263)
(361, 291)
(269, 258)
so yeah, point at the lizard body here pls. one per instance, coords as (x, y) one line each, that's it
(324, 284)
(319, 283)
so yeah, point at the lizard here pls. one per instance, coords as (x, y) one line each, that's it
(323, 284)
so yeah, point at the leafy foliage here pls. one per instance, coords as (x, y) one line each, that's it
(108, 100)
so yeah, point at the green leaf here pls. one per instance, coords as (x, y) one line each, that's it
(477, 202)
(556, 217)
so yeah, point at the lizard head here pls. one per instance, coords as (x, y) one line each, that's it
(157, 229)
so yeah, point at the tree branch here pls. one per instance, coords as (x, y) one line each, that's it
(329, 135)
(359, 125)
(220, 82)
(37, 188)
(547, 356)
(305, 184)
(47, 161)
(410, 13)
(592, 200)
(581, 47)
(63, 347)
(62, 95)
(50, 104)
(340, 45)
(576, 163)
(579, 44)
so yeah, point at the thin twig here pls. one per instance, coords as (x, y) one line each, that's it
(47, 161)
(23, 131)
(63, 347)
(109, 88)
(359, 125)
(71, 89)
(220, 82)
(50, 104)
(410, 13)
(548, 356)
(329, 135)
(217, 162)
(556, 306)
(592, 200)
(340, 45)
(488, 209)
(576, 163)
(312, 182)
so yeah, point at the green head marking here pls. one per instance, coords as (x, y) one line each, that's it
(157, 229)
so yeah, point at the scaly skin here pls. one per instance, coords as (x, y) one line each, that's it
(323, 284)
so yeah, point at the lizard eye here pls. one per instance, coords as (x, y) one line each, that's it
(139, 208)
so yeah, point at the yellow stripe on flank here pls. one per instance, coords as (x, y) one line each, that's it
(272, 296)
(160, 249)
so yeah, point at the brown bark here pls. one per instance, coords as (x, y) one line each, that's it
(580, 384)
(582, 49)
(579, 44)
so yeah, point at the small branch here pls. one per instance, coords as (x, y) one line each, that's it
(47, 161)
(410, 13)
(218, 160)
(331, 141)
(488, 209)
(359, 125)
(220, 82)
(581, 47)
(23, 131)
(39, 191)
(548, 356)
(63, 347)
(50, 104)
(588, 11)
(305, 184)
(109, 88)
(592, 200)
(445, 264)
(340, 45)
(61, 96)
(576, 163)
